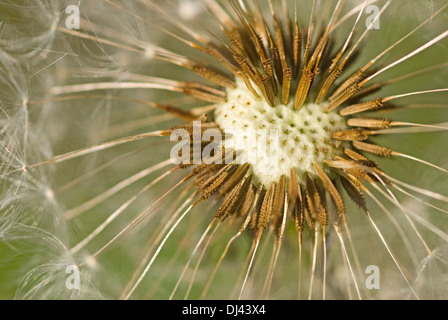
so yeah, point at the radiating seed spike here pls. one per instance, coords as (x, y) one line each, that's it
(268, 89)
(247, 202)
(352, 135)
(212, 188)
(258, 43)
(246, 188)
(286, 85)
(234, 179)
(359, 158)
(320, 212)
(277, 62)
(344, 96)
(372, 148)
(278, 205)
(350, 167)
(182, 114)
(373, 105)
(228, 202)
(350, 82)
(296, 200)
(279, 36)
(211, 185)
(297, 50)
(364, 92)
(205, 174)
(246, 68)
(293, 185)
(370, 123)
(354, 192)
(237, 42)
(254, 218)
(318, 53)
(335, 61)
(300, 215)
(308, 218)
(306, 53)
(219, 56)
(333, 215)
(257, 207)
(310, 196)
(249, 85)
(268, 68)
(234, 199)
(323, 218)
(360, 174)
(197, 93)
(303, 87)
(332, 77)
(214, 75)
(265, 213)
(330, 187)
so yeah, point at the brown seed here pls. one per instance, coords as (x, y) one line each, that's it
(332, 77)
(351, 135)
(265, 212)
(373, 105)
(334, 193)
(303, 87)
(344, 96)
(234, 199)
(214, 75)
(350, 82)
(279, 205)
(248, 201)
(372, 148)
(370, 123)
(354, 192)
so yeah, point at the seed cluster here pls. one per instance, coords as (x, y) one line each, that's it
(279, 76)
(276, 139)
(277, 79)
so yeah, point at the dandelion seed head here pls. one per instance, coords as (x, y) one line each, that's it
(86, 191)
(296, 138)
